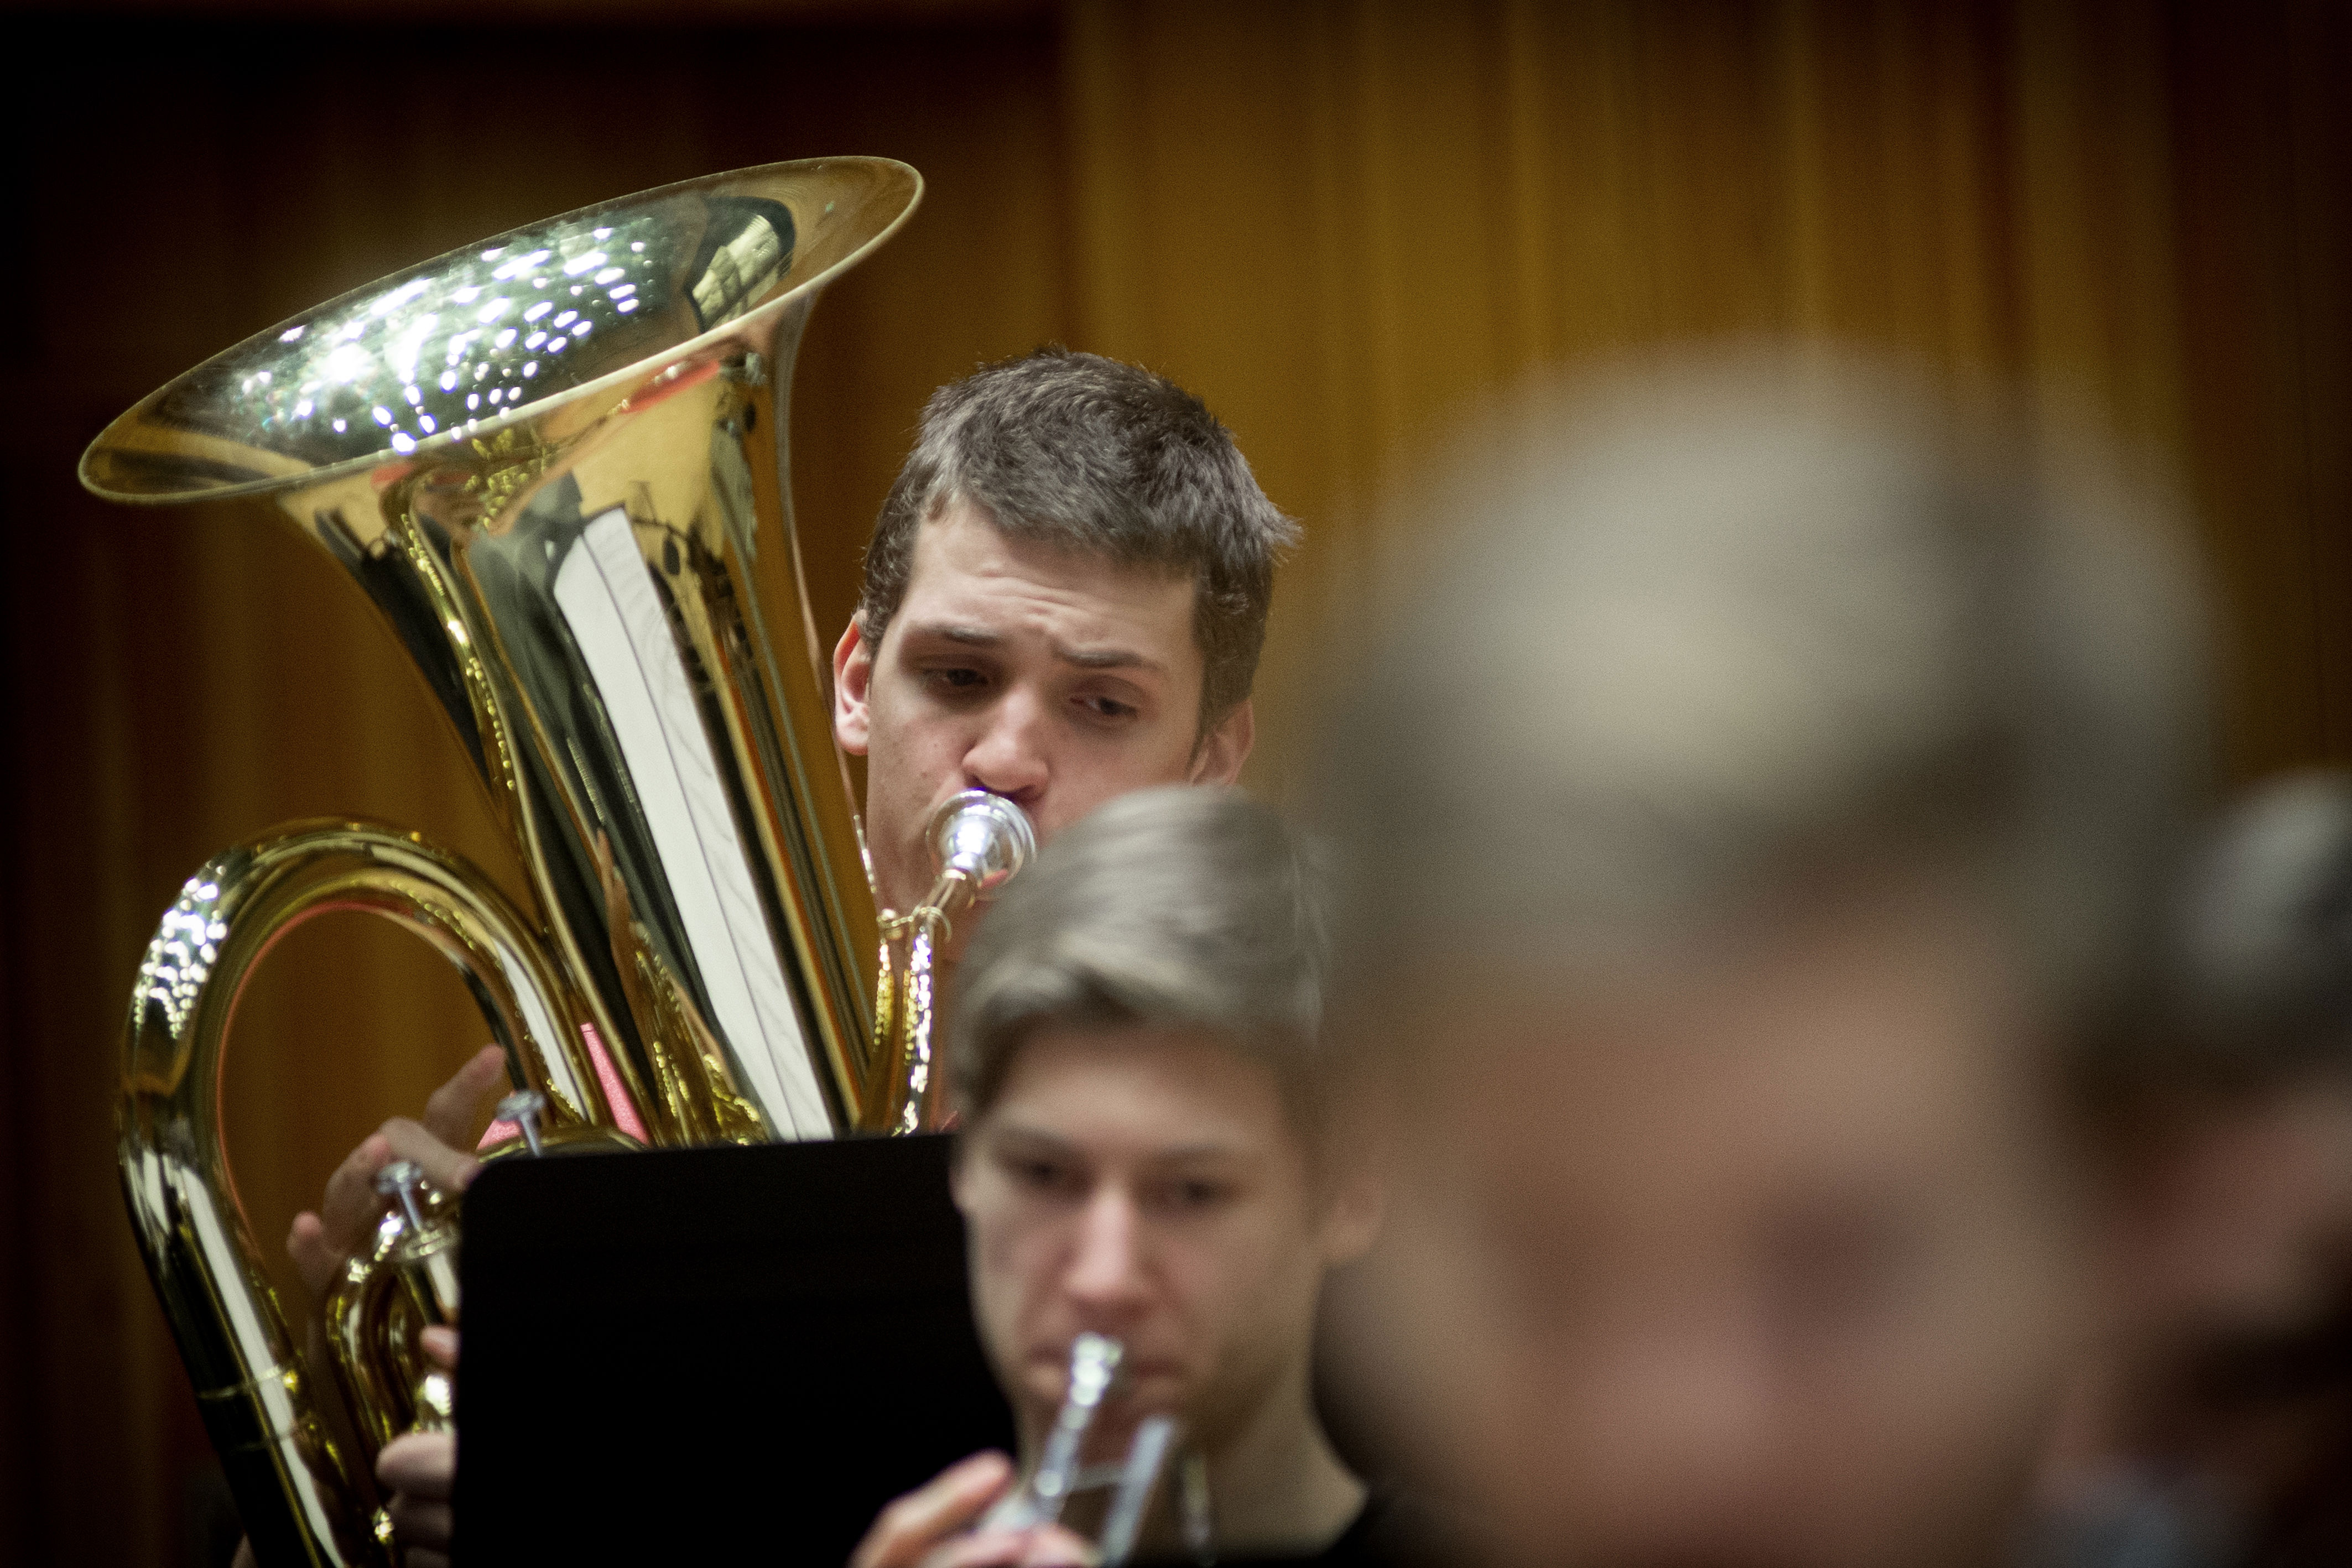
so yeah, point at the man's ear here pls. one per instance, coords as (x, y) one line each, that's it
(852, 680)
(1219, 758)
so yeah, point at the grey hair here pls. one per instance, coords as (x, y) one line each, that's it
(1725, 634)
(1091, 454)
(1180, 906)
(2261, 972)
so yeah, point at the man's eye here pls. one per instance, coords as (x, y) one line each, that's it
(1195, 1195)
(957, 680)
(1111, 710)
(1044, 1176)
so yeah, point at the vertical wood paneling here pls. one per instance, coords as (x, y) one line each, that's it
(1499, 187)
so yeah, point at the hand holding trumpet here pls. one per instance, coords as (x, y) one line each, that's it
(932, 1526)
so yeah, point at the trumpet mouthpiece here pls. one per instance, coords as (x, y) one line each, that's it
(1094, 1363)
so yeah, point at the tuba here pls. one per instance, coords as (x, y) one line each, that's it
(556, 464)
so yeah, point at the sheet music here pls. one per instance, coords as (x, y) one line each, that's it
(622, 632)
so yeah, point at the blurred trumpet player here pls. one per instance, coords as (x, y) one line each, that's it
(1065, 598)
(1748, 845)
(1149, 1154)
(2216, 1427)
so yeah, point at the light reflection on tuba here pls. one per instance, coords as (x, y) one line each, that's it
(556, 464)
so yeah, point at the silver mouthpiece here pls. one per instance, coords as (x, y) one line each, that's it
(1094, 1362)
(986, 837)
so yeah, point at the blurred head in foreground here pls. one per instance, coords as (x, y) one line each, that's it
(1145, 1152)
(1748, 850)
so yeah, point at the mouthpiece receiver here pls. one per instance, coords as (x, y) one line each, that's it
(1094, 1366)
(977, 841)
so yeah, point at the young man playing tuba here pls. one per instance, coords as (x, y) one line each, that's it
(1065, 598)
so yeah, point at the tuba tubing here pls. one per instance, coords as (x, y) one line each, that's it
(302, 1495)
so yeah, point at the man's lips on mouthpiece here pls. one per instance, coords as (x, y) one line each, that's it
(1132, 1369)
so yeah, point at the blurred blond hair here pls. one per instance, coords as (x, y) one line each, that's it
(1709, 633)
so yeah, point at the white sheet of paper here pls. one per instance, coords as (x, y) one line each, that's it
(622, 633)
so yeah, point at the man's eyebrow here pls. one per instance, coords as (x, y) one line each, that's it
(1034, 1139)
(1185, 1154)
(1104, 658)
(1084, 658)
(1014, 1132)
(968, 637)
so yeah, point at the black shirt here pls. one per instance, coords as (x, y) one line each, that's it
(1397, 1530)
(1393, 1530)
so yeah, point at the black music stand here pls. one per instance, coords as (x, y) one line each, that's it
(711, 1354)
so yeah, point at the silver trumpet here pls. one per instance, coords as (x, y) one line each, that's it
(1061, 1471)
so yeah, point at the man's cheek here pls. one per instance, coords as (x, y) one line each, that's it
(1023, 1269)
(900, 732)
(992, 1251)
(1227, 1299)
(1002, 1301)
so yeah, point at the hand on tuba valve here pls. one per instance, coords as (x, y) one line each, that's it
(405, 1282)
(323, 1240)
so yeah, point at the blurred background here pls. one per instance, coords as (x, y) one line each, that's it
(1343, 223)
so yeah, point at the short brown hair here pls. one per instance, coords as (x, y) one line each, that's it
(1178, 905)
(1091, 454)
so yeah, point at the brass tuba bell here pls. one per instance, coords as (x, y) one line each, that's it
(556, 461)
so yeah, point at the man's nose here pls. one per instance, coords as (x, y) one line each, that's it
(1010, 758)
(1106, 1273)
